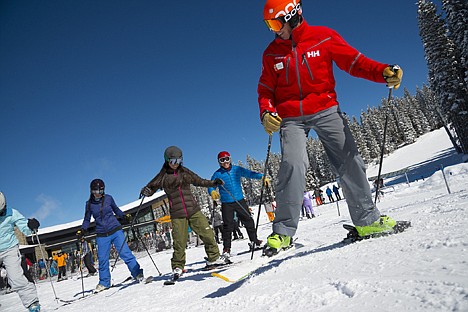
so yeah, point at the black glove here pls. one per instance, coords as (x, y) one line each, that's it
(146, 191)
(218, 181)
(81, 233)
(126, 219)
(33, 224)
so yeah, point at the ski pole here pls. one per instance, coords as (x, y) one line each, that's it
(383, 145)
(131, 228)
(262, 189)
(46, 265)
(230, 194)
(147, 251)
(338, 207)
(81, 266)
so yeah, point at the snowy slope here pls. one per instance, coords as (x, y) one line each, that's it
(422, 269)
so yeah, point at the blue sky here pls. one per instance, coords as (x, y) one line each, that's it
(100, 88)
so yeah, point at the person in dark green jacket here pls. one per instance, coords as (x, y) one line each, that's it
(175, 180)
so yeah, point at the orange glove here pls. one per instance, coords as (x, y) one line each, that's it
(271, 122)
(393, 75)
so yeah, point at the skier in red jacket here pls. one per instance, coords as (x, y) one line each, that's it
(296, 93)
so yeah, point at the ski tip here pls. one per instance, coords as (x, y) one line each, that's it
(221, 277)
(169, 283)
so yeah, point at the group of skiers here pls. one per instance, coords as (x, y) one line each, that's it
(175, 179)
(296, 93)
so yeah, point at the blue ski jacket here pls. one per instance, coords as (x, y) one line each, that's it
(8, 222)
(104, 213)
(232, 182)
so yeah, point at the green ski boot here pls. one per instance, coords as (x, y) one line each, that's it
(276, 243)
(384, 225)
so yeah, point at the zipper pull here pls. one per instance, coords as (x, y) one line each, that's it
(303, 59)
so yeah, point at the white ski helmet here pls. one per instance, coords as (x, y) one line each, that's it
(2, 203)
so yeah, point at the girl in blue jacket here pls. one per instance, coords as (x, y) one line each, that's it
(108, 232)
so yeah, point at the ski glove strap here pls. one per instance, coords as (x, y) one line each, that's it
(393, 75)
(271, 122)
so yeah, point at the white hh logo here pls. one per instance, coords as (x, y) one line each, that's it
(313, 54)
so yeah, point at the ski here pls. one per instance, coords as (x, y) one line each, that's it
(206, 268)
(238, 273)
(269, 252)
(353, 235)
(122, 282)
(174, 278)
(170, 282)
(89, 293)
(216, 266)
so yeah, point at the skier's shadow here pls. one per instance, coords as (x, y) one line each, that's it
(271, 265)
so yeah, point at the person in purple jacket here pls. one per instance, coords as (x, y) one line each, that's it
(108, 218)
(307, 204)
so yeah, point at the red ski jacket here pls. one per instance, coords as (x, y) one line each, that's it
(297, 75)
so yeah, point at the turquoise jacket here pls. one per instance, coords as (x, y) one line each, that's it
(232, 182)
(8, 222)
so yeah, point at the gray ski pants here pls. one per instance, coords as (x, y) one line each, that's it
(11, 258)
(333, 131)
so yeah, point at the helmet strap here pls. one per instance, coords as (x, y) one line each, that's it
(295, 20)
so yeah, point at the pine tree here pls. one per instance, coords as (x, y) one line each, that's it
(369, 136)
(357, 132)
(457, 24)
(428, 104)
(444, 77)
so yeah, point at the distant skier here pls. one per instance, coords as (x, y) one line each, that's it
(296, 92)
(10, 255)
(308, 205)
(61, 258)
(329, 193)
(318, 196)
(175, 180)
(107, 214)
(337, 192)
(217, 223)
(42, 268)
(232, 199)
(86, 255)
(236, 232)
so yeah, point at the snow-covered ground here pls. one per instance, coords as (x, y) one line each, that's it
(423, 269)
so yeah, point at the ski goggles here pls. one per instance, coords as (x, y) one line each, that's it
(100, 191)
(174, 161)
(275, 24)
(224, 159)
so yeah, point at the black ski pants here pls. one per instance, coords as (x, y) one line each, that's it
(88, 263)
(243, 214)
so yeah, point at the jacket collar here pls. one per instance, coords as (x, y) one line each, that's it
(297, 34)
(9, 212)
(222, 169)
